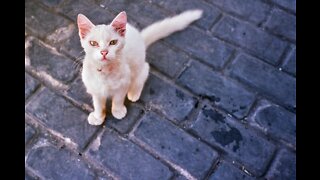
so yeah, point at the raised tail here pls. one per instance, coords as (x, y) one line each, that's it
(165, 27)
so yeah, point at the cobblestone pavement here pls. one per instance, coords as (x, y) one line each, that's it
(220, 101)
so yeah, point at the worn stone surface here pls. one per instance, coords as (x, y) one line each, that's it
(283, 24)
(224, 92)
(53, 163)
(50, 62)
(258, 42)
(175, 145)
(30, 84)
(29, 132)
(165, 59)
(243, 144)
(127, 160)
(276, 121)
(266, 79)
(41, 22)
(171, 101)
(252, 10)
(290, 63)
(284, 166)
(71, 122)
(210, 13)
(202, 46)
(227, 171)
(287, 4)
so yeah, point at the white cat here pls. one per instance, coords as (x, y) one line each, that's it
(114, 65)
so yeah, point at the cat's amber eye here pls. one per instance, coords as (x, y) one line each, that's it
(93, 43)
(113, 42)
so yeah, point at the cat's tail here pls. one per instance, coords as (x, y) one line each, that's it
(165, 27)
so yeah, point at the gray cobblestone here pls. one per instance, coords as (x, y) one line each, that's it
(41, 22)
(266, 78)
(227, 171)
(284, 166)
(56, 65)
(202, 46)
(276, 121)
(29, 132)
(225, 93)
(30, 84)
(283, 24)
(243, 144)
(78, 92)
(253, 39)
(58, 114)
(290, 62)
(122, 157)
(210, 13)
(288, 4)
(53, 163)
(172, 102)
(253, 10)
(170, 62)
(175, 145)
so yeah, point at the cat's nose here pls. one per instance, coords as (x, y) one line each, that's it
(104, 52)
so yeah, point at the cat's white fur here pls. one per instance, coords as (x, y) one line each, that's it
(125, 70)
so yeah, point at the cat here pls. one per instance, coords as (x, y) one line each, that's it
(114, 65)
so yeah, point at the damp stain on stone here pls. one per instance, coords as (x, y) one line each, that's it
(214, 115)
(224, 137)
(242, 107)
(151, 91)
(179, 94)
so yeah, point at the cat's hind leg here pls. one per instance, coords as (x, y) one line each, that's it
(98, 115)
(137, 84)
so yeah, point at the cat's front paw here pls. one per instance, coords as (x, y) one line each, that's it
(95, 121)
(133, 97)
(119, 112)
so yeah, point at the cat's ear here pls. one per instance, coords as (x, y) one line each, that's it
(119, 23)
(84, 25)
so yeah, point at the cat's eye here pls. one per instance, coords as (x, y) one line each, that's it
(93, 43)
(113, 42)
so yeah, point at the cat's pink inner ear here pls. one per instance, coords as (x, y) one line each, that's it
(84, 25)
(119, 23)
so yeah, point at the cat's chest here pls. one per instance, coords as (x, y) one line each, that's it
(99, 82)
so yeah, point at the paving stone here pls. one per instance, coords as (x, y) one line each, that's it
(127, 160)
(172, 102)
(266, 79)
(53, 163)
(227, 171)
(165, 59)
(288, 4)
(258, 42)
(283, 24)
(252, 10)
(56, 65)
(78, 92)
(123, 125)
(180, 177)
(52, 3)
(284, 166)
(209, 16)
(29, 132)
(72, 46)
(144, 16)
(30, 84)
(202, 46)
(224, 92)
(176, 145)
(60, 115)
(252, 151)
(277, 122)
(290, 63)
(41, 22)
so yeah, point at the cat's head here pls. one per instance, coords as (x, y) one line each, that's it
(102, 43)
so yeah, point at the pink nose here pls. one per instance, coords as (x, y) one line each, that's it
(104, 52)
